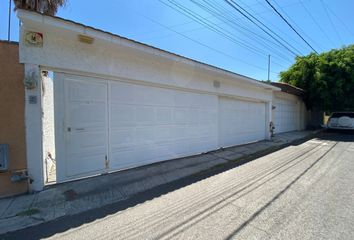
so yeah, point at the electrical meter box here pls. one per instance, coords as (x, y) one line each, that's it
(4, 157)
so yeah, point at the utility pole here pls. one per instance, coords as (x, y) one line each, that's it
(268, 66)
(9, 27)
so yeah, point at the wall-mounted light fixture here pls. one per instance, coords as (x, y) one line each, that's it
(216, 84)
(30, 80)
(85, 39)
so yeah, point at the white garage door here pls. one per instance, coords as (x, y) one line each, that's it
(86, 126)
(285, 115)
(149, 124)
(113, 125)
(240, 121)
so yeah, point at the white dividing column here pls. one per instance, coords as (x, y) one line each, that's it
(268, 120)
(33, 122)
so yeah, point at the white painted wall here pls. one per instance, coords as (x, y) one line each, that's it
(241, 121)
(289, 113)
(121, 62)
(145, 124)
(48, 126)
(112, 57)
(33, 123)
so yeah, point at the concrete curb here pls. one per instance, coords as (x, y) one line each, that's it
(79, 196)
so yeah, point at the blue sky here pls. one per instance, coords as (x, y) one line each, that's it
(224, 39)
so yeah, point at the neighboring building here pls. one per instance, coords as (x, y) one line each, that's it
(289, 110)
(120, 104)
(12, 125)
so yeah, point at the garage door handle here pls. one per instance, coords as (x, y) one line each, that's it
(79, 129)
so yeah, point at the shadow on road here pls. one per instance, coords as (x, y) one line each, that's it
(69, 222)
(249, 220)
(338, 135)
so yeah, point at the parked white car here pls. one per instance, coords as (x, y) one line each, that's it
(341, 120)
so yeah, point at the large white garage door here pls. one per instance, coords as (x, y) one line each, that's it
(285, 115)
(150, 124)
(113, 125)
(240, 121)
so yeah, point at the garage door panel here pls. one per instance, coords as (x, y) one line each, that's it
(152, 96)
(144, 134)
(203, 144)
(86, 115)
(125, 157)
(82, 141)
(180, 116)
(81, 164)
(122, 136)
(163, 115)
(132, 125)
(77, 90)
(166, 124)
(144, 115)
(285, 115)
(123, 92)
(240, 121)
(86, 126)
(163, 133)
(122, 115)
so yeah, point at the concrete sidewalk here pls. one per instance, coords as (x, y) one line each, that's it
(78, 196)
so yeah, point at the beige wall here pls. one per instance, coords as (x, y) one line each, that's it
(12, 128)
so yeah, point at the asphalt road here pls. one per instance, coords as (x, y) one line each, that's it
(304, 191)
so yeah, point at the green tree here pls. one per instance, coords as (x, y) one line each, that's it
(49, 7)
(327, 78)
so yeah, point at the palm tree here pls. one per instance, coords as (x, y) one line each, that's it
(49, 7)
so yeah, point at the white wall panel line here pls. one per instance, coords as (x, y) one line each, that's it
(59, 126)
(108, 125)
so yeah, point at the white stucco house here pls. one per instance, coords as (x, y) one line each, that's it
(113, 103)
(289, 110)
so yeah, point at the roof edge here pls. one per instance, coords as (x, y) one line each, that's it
(288, 88)
(107, 36)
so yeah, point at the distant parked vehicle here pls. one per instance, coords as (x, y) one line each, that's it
(341, 120)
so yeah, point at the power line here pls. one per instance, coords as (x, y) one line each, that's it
(286, 21)
(265, 54)
(264, 19)
(315, 21)
(264, 25)
(203, 44)
(172, 26)
(209, 25)
(199, 28)
(189, 22)
(330, 19)
(339, 19)
(296, 25)
(9, 26)
(251, 17)
(215, 10)
(268, 67)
